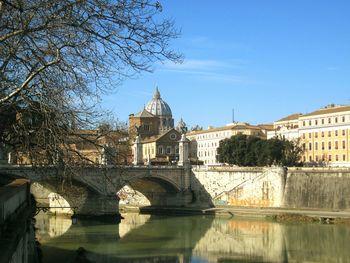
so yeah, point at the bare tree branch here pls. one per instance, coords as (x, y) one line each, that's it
(29, 79)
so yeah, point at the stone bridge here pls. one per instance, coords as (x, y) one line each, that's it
(93, 189)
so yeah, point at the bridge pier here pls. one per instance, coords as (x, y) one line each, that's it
(99, 205)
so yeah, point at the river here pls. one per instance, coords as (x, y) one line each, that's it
(195, 239)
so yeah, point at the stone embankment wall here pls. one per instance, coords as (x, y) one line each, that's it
(320, 188)
(17, 237)
(241, 186)
(325, 188)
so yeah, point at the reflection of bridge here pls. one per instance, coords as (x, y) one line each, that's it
(165, 239)
(93, 189)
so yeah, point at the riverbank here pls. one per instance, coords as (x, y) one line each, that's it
(275, 214)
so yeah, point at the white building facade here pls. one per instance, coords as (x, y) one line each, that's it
(287, 128)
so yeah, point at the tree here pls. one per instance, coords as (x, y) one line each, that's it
(246, 150)
(292, 152)
(57, 57)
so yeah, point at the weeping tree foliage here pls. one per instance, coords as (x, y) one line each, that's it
(58, 56)
(246, 150)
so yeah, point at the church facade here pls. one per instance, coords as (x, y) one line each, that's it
(154, 127)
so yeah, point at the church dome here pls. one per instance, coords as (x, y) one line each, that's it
(157, 106)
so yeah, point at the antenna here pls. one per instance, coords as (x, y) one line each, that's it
(233, 115)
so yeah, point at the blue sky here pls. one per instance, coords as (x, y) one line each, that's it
(264, 58)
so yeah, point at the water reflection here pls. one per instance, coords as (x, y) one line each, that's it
(143, 238)
(256, 241)
(130, 222)
(51, 226)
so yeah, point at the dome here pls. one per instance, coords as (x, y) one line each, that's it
(157, 106)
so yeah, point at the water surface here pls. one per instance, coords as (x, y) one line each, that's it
(144, 238)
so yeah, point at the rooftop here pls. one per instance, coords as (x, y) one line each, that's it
(291, 117)
(329, 109)
(225, 128)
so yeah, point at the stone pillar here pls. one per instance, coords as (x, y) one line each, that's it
(183, 151)
(99, 205)
(138, 160)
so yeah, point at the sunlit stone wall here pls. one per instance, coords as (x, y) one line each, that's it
(130, 197)
(58, 205)
(237, 186)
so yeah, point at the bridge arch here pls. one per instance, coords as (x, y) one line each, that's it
(158, 190)
(74, 194)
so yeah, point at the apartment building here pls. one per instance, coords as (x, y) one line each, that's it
(325, 134)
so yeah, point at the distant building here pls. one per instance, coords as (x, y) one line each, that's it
(204, 143)
(155, 127)
(89, 147)
(325, 135)
(287, 127)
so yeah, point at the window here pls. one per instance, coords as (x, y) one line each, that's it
(322, 134)
(316, 157)
(304, 146)
(329, 120)
(316, 134)
(309, 135)
(322, 145)
(146, 127)
(336, 132)
(329, 145)
(330, 157)
(304, 158)
(310, 158)
(343, 145)
(303, 123)
(310, 146)
(168, 149)
(309, 122)
(343, 119)
(329, 134)
(322, 121)
(173, 136)
(160, 149)
(303, 135)
(336, 145)
(343, 132)
(316, 146)
(336, 157)
(336, 120)
(316, 122)
(344, 157)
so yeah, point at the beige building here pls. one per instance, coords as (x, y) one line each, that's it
(161, 148)
(204, 143)
(325, 134)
